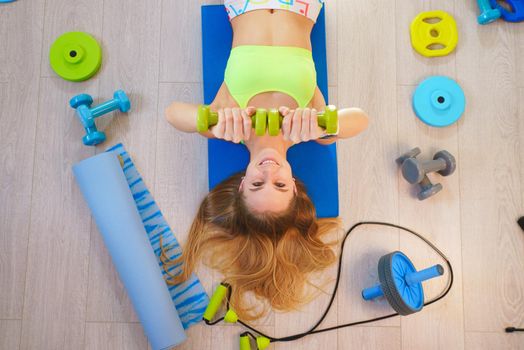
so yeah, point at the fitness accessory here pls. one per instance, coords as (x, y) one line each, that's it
(513, 329)
(272, 118)
(517, 10)
(400, 283)
(415, 172)
(86, 114)
(206, 119)
(314, 164)
(75, 56)
(439, 101)
(223, 292)
(327, 119)
(434, 33)
(6, 1)
(488, 14)
(131, 224)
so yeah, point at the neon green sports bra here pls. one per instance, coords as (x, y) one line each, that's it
(252, 70)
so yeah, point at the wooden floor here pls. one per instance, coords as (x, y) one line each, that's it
(58, 288)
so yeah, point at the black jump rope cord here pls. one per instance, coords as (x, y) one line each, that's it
(314, 329)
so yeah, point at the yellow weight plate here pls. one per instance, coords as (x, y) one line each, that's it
(434, 33)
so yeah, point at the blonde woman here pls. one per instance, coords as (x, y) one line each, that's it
(259, 228)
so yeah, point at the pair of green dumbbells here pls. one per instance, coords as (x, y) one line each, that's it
(268, 119)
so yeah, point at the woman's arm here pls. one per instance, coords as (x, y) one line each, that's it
(183, 116)
(351, 121)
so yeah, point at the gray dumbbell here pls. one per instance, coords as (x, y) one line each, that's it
(415, 171)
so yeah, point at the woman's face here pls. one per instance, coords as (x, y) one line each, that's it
(268, 184)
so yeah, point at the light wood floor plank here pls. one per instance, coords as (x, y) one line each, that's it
(5, 12)
(412, 67)
(331, 14)
(134, 41)
(489, 341)
(66, 16)
(10, 334)
(370, 338)
(182, 168)
(367, 172)
(18, 114)
(441, 325)
(521, 142)
(173, 149)
(490, 184)
(519, 41)
(56, 280)
(181, 42)
(115, 336)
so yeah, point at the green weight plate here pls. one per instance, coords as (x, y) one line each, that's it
(273, 122)
(260, 122)
(75, 56)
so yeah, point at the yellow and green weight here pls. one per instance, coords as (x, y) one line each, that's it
(268, 119)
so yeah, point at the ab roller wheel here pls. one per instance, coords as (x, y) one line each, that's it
(268, 119)
(75, 56)
(401, 283)
(439, 101)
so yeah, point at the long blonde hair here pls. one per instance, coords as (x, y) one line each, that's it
(270, 255)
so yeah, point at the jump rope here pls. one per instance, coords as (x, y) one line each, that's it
(263, 340)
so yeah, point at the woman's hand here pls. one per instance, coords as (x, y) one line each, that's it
(234, 124)
(300, 125)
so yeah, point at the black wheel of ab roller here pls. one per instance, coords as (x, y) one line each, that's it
(386, 277)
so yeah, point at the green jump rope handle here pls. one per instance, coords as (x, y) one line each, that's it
(215, 302)
(206, 119)
(328, 119)
(245, 344)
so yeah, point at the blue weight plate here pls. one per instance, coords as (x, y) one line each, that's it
(439, 101)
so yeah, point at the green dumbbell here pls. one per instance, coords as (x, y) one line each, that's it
(206, 119)
(327, 120)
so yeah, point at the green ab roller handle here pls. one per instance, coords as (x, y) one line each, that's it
(328, 119)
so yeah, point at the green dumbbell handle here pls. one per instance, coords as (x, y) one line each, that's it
(328, 119)
(206, 119)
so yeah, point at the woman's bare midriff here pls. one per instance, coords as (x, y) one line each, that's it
(273, 28)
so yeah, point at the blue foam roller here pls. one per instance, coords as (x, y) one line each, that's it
(109, 197)
(314, 164)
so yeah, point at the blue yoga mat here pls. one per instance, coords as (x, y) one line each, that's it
(131, 224)
(314, 164)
